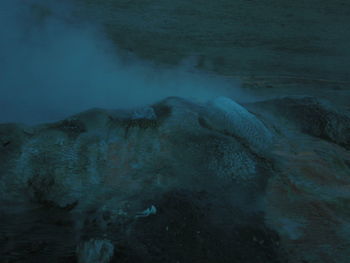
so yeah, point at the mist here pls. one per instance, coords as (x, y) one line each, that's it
(54, 64)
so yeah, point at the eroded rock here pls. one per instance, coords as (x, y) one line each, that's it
(312, 116)
(216, 173)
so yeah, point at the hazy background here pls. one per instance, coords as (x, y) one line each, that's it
(300, 38)
(275, 47)
(54, 62)
(60, 57)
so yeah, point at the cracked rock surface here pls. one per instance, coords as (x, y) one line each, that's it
(262, 182)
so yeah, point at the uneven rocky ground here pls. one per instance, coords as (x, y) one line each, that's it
(179, 182)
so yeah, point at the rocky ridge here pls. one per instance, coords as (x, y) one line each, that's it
(179, 181)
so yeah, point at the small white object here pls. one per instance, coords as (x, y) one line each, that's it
(149, 211)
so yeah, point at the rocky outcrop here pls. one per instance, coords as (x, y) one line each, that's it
(177, 181)
(61, 163)
(229, 117)
(312, 116)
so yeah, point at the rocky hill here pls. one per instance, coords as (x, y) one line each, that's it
(179, 181)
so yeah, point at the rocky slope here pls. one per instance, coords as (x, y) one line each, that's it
(179, 181)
